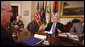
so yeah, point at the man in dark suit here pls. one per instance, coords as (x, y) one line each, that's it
(6, 39)
(54, 26)
(33, 27)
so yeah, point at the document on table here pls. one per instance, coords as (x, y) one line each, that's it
(74, 37)
(63, 35)
(43, 37)
(49, 32)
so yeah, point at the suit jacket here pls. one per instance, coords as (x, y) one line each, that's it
(58, 25)
(76, 28)
(6, 39)
(33, 27)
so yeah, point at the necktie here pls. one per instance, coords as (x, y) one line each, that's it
(53, 30)
(83, 27)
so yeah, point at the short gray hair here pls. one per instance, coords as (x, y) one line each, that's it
(56, 17)
(4, 5)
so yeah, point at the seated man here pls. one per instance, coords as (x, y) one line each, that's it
(33, 27)
(54, 26)
(6, 38)
(78, 28)
(17, 26)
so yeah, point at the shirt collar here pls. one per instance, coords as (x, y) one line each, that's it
(82, 24)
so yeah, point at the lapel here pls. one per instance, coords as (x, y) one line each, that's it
(57, 24)
(51, 24)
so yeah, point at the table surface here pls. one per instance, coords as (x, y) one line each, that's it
(58, 41)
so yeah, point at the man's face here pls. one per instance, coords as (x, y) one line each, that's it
(5, 16)
(82, 18)
(54, 19)
(18, 18)
(33, 19)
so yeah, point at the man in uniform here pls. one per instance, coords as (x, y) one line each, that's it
(17, 26)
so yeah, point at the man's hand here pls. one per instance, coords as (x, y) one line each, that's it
(58, 30)
(16, 26)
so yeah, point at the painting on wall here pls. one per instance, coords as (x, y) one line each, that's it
(26, 13)
(72, 9)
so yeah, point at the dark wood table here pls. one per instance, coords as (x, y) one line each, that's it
(57, 41)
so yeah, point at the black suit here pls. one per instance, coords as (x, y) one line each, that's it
(33, 27)
(6, 39)
(58, 25)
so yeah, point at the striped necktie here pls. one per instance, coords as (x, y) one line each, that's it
(53, 30)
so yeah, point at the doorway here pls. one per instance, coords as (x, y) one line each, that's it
(14, 13)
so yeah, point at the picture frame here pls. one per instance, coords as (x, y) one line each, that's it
(71, 9)
(26, 12)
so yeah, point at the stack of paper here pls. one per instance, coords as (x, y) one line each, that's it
(74, 37)
(49, 32)
(43, 37)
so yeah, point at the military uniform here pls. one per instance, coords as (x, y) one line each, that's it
(14, 30)
(19, 23)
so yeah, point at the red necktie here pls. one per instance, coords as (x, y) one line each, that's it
(83, 27)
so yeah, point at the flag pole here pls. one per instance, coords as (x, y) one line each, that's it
(50, 11)
(45, 15)
(41, 12)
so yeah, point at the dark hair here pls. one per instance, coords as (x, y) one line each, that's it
(75, 20)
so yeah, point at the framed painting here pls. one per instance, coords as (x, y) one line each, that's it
(26, 12)
(72, 9)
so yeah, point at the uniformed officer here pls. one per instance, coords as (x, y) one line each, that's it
(17, 26)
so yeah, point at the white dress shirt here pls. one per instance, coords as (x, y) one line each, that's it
(82, 24)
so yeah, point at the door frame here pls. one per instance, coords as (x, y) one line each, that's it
(14, 4)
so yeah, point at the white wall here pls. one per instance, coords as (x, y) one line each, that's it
(23, 5)
(31, 6)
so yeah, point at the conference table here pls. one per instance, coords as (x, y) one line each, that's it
(57, 41)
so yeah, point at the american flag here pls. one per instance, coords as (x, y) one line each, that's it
(37, 15)
(42, 13)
